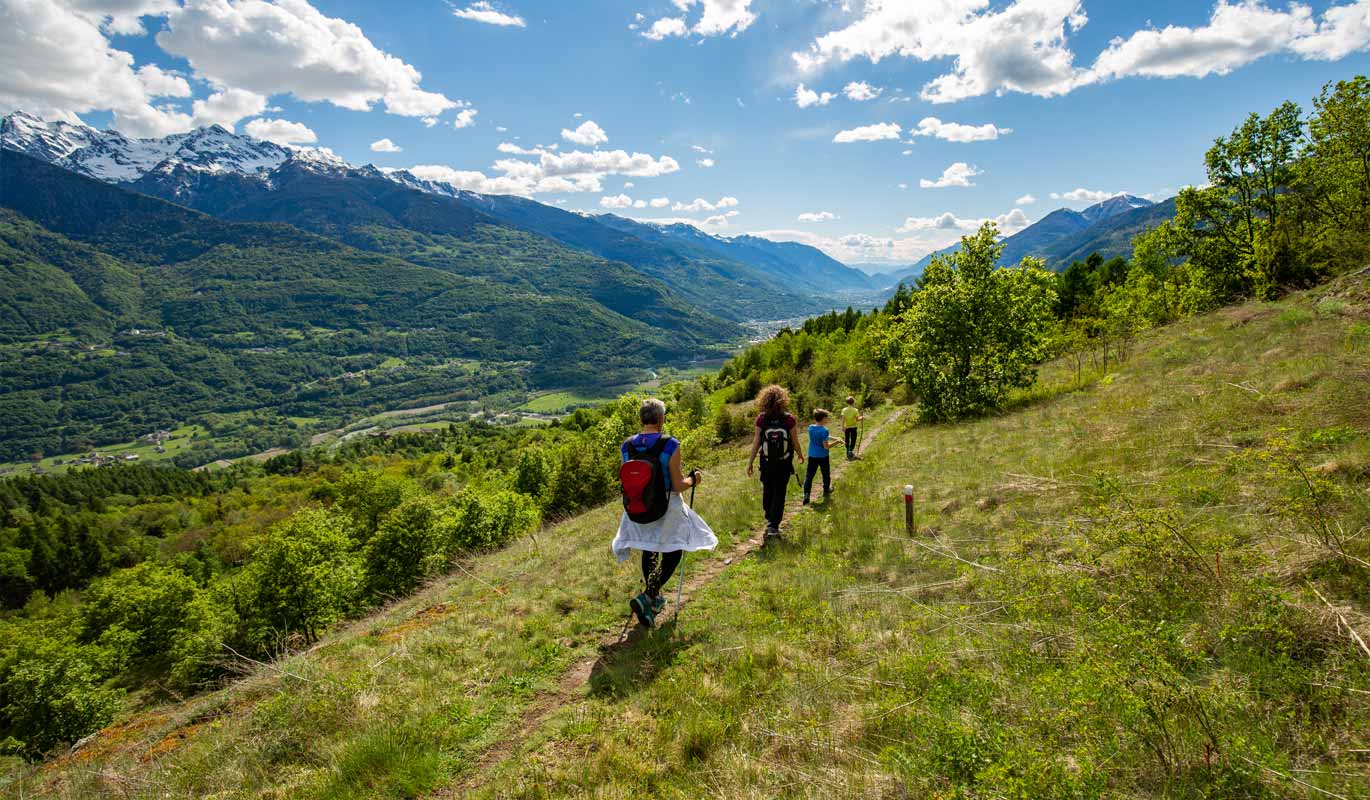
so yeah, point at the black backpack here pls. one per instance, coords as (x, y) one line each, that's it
(643, 482)
(776, 447)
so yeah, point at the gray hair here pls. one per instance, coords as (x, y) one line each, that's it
(653, 411)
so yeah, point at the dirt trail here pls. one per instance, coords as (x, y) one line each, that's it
(571, 687)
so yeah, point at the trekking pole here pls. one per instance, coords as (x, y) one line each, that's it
(680, 584)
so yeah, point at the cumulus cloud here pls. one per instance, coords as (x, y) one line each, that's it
(618, 201)
(385, 146)
(282, 132)
(1084, 195)
(1021, 47)
(957, 132)
(226, 108)
(861, 91)
(157, 82)
(465, 118)
(857, 248)
(701, 149)
(805, 97)
(1009, 223)
(552, 172)
(817, 216)
(700, 205)
(958, 174)
(121, 17)
(290, 47)
(718, 17)
(588, 134)
(705, 162)
(1025, 200)
(483, 11)
(868, 133)
(659, 202)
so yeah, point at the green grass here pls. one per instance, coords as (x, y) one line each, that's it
(566, 400)
(1111, 594)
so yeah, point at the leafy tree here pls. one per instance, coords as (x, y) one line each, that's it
(405, 549)
(148, 600)
(51, 691)
(973, 332)
(1335, 174)
(303, 577)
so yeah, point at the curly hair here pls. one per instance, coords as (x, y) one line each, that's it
(773, 400)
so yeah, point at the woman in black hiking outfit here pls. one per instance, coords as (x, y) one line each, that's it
(777, 441)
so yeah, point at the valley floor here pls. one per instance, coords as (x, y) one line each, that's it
(1148, 582)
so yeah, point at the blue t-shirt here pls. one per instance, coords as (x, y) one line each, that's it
(818, 434)
(647, 440)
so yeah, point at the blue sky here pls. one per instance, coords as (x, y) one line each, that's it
(1062, 95)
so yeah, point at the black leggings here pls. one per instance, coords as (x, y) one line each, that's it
(849, 434)
(816, 464)
(774, 481)
(656, 575)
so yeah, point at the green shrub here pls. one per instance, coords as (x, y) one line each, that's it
(303, 577)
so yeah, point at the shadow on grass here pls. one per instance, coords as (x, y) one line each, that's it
(634, 661)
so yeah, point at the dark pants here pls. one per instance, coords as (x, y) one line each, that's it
(849, 434)
(816, 464)
(774, 481)
(657, 572)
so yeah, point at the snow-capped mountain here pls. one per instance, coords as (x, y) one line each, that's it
(1112, 207)
(49, 141)
(111, 156)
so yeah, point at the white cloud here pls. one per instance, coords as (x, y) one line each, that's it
(157, 82)
(226, 108)
(817, 216)
(1237, 34)
(465, 118)
(121, 17)
(385, 146)
(706, 163)
(700, 204)
(483, 11)
(857, 248)
(619, 201)
(1025, 200)
(861, 91)
(666, 26)
(514, 150)
(501, 129)
(573, 171)
(1021, 47)
(1009, 223)
(629, 185)
(958, 174)
(290, 47)
(280, 131)
(718, 17)
(957, 132)
(805, 97)
(429, 122)
(659, 202)
(701, 149)
(588, 134)
(868, 133)
(1084, 195)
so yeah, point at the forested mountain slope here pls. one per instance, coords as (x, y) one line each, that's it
(251, 317)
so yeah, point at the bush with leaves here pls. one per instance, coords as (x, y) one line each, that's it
(406, 549)
(973, 331)
(303, 577)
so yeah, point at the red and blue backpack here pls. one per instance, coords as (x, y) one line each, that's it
(643, 480)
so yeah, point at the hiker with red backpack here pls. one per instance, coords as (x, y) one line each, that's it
(777, 442)
(656, 519)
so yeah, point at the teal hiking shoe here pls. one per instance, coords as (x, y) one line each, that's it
(642, 607)
(658, 605)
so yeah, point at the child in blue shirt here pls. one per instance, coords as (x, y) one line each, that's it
(819, 442)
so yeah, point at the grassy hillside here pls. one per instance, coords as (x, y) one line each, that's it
(1143, 584)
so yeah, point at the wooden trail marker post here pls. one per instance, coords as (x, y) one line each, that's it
(908, 509)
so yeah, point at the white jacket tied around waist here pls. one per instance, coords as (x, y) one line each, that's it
(680, 529)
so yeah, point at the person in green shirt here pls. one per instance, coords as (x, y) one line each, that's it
(851, 422)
